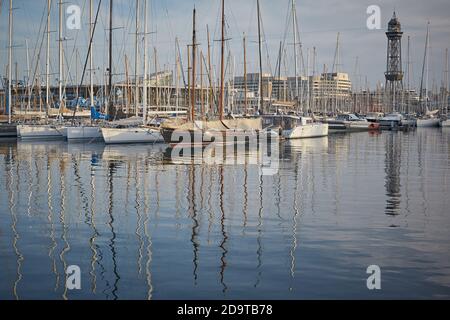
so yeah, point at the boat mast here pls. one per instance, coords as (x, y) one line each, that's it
(91, 60)
(136, 62)
(222, 63)
(127, 89)
(156, 78)
(408, 70)
(336, 64)
(194, 47)
(10, 61)
(29, 86)
(308, 96)
(314, 102)
(211, 94)
(261, 87)
(279, 70)
(245, 75)
(144, 116)
(60, 59)
(177, 76)
(201, 86)
(294, 25)
(109, 94)
(423, 69)
(445, 104)
(47, 63)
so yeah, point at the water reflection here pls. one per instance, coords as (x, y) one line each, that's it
(143, 225)
(393, 164)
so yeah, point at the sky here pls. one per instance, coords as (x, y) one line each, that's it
(319, 22)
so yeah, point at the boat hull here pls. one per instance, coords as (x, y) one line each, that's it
(315, 130)
(29, 132)
(445, 124)
(390, 124)
(338, 126)
(363, 126)
(84, 133)
(8, 130)
(62, 130)
(131, 135)
(428, 123)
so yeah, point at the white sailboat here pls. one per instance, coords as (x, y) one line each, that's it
(303, 127)
(142, 133)
(429, 119)
(139, 134)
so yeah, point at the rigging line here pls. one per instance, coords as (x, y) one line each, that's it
(73, 56)
(124, 45)
(266, 45)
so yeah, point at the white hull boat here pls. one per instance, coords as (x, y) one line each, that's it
(26, 132)
(316, 130)
(8, 130)
(445, 124)
(132, 135)
(350, 122)
(428, 123)
(392, 121)
(84, 133)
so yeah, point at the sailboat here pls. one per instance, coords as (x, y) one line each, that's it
(351, 122)
(293, 126)
(44, 130)
(123, 133)
(445, 121)
(192, 132)
(88, 131)
(429, 119)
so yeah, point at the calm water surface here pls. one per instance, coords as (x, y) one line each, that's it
(142, 227)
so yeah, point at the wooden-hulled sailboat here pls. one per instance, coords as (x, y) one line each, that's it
(136, 133)
(203, 132)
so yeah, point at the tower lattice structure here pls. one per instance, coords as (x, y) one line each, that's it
(394, 73)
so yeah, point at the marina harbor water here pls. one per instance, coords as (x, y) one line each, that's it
(141, 225)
